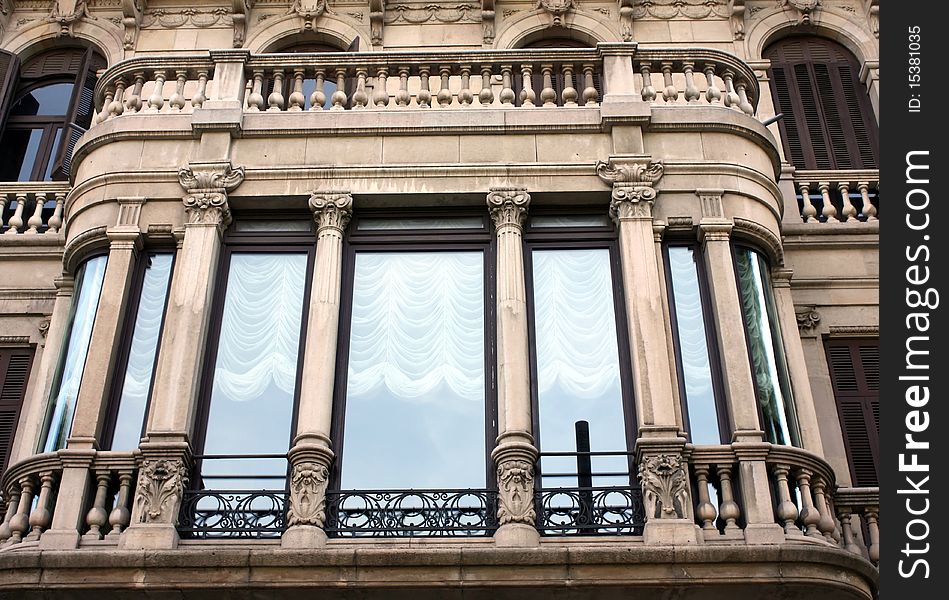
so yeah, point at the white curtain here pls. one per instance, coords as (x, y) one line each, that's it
(417, 324)
(693, 348)
(574, 322)
(260, 327)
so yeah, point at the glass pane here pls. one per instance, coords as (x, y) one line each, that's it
(137, 382)
(394, 224)
(545, 221)
(693, 347)
(72, 360)
(48, 174)
(52, 100)
(415, 397)
(578, 374)
(20, 148)
(255, 372)
(769, 368)
(273, 225)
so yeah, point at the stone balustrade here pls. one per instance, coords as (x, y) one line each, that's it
(32, 207)
(858, 512)
(153, 85)
(31, 490)
(834, 197)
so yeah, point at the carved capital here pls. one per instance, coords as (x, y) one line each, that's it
(207, 185)
(331, 209)
(308, 483)
(807, 317)
(633, 180)
(508, 206)
(516, 492)
(664, 482)
(160, 487)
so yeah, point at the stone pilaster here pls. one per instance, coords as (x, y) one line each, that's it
(515, 453)
(312, 454)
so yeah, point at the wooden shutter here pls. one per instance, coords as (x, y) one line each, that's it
(14, 373)
(828, 122)
(855, 374)
(9, 66)
(81, 113)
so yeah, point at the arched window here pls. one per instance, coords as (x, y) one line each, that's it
(828, 121)
(46, 104)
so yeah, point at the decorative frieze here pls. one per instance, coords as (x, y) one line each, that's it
(672, 9)
(207, 185)
(422, 12)
(308, 483)
(663, 480)
(192, 17)
(159, 491)
(508, 206)
(516, 492)
(331, 210)
(633, 180)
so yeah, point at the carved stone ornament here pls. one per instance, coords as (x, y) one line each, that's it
(807, 317)
(557, 9)
(207, 186)
(674, 9)
(508, 206)
(67, 13)
(308, 483)
(331, 210)
(663, 481)
(240, 12)
(160, 487)
(487, 21)
(516, 492)
(633, 193)
(132, 11)
(736, 17)
(377, 15)
(309, 11)
(805, 8)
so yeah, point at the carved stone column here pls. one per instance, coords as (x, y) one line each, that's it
(167, 448)
(515, 453)
(312, 454)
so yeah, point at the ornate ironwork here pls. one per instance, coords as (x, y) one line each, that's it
(233, 514)
(591, 511)
(411, 513)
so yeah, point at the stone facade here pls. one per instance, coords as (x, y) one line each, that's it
(658, 119)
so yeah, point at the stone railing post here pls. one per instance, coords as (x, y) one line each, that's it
(312, 454)
(167, 452)
(515, 453)
(227, 88)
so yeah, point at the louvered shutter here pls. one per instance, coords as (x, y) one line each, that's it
(855, 374)
(9, 66)
(14, 373)
(81, 112)
(828, 122)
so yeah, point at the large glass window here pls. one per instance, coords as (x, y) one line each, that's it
(766, 347)
(72, 361)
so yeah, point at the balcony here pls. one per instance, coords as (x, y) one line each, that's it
(32, 207)
(835, 197)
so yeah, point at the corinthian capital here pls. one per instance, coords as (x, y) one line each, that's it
(508, 206)
(633, 180)
(331, 209)
(206, 186)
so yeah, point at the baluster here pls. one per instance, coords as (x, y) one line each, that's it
(134, 103)
(868, 210)
(590, 96)
(97, 517)
(569, 94)
(156, 101)
(712, 94)
(3, 207)
(42, 516)
(424, 96)
(826, 524)
(444, 91)
(729, 510)
(20, 523)
(297, 99)
(486, 95)
(13, 498)
(829, 211)
(872, 516)
(648, 92)
(120, 516)
(117, 106)
(548, 96)
(275, 100)
(527, 95)
(743, 102)
(177, 100)
(380, 96)
(339, 96)
(36, 219)
(808, 210)
(255, 101)
(810, 517)
(56, 220)
(360, 97)
(731, 96)
(846, 527)
(507, 92)
(465, 97)
(670, 93)
(704, 509)
(106, 103)
(16, 219)
(318, 97)
(199, 98)
(692, 93)
(402, 97)
(848, 209)
(787, 511)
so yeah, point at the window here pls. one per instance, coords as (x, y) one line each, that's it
(15, 366)
(694, 343)
(139, 353)
(47, 106)
(855, 375)
(766, 348)
(828, 122)
(72, 360)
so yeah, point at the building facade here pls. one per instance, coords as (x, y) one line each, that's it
(442, 299)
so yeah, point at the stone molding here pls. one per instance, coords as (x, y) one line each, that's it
(207, 185)
(159, 491)
(508, 206)
(763, 236)
(308, 483)
(331, 210)
(663, 480)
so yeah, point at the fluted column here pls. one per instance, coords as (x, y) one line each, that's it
(312, 454)
(166, 451)
(515, 453)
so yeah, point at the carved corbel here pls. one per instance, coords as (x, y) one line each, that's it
(67, 13)
(516, 493)
(663, 480)
(132, 11)
(804, 8)
(736, 17)
(308, 483)
(309, 11)
(557, 9)
(808, 318)
(160, 487)
(207, 185)
(377, 14)
(873, 15)
(240, 13)
(626, 10)
(487, 21)
(633, 180)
